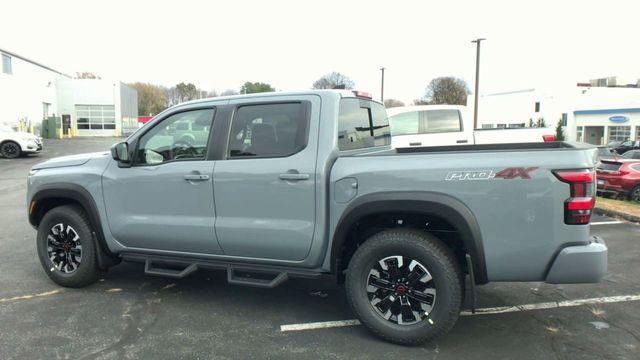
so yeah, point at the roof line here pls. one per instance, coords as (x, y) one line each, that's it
(33, 62)
(606, 111)
(510, 92)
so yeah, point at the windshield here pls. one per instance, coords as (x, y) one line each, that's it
(5, 128)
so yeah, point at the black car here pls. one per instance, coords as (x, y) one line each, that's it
(626, 146)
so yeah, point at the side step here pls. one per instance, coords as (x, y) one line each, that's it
(264, 276)
(168, 272)
(253, 278)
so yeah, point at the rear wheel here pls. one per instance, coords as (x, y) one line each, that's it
(635, 194)
(405, 286)
(10, 149)
(66, 248)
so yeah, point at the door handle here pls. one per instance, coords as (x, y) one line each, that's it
(196, 177)
(462, 141)
(294, 176)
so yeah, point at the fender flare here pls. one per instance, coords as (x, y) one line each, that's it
(427, 203)
(79, 195)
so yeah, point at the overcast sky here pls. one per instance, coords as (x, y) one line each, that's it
(221, 44)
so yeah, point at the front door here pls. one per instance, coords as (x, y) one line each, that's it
(265, 187)
(66, 124)
(164, 201)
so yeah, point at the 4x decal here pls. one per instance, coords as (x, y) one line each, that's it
(515, 172)
(508, 174)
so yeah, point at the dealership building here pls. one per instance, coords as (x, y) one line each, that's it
(31, 92)
(597, 112)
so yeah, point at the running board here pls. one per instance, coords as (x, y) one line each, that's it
(252, 278)
(168, 272)
(264, 276)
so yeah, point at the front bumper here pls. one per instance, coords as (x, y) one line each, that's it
(579, 264)
(32, 147)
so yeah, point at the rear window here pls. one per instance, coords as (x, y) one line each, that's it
(609, 166)
(362, 124)
(426, 122)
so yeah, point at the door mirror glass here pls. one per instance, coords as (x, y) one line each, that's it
(120, 152)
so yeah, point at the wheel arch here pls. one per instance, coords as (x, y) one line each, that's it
(423, 203)
(55, 195)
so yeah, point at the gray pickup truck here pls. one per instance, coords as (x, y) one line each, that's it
(282, 185)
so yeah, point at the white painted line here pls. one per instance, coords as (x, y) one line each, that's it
(607, 222)
(552, 305)
(27, 297)
(483, 311)
(319, 325)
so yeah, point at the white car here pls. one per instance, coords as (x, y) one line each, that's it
(14, 143)
(444, 125)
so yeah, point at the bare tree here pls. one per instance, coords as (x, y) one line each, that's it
(335, 80)
(446, 90)
(389, 103)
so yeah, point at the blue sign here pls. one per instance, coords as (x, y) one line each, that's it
(618, 119)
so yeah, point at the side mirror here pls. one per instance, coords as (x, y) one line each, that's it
(120, 152)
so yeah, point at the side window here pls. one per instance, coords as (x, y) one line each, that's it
(183, 136)
(437, 121)
(405, 123)
(362, 124)
(269, 130)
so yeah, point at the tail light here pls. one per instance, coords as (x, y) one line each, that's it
(548, 138)
(578, 208)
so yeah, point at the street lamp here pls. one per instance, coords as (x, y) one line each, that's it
(475, 95)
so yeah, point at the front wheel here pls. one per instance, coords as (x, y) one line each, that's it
(405, 286)
(10, 150)
(66, 248)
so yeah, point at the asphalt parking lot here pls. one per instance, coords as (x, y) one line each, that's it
(130, 315)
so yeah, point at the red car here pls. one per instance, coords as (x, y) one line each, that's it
(619, 176)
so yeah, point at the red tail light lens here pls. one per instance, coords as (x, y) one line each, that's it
(548, 138)
(577, 208)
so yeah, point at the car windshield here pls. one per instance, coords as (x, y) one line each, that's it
(5, 128)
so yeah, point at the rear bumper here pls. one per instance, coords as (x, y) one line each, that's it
(579, 264)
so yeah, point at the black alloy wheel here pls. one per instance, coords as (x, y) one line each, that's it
(10, 150)
(401, 290)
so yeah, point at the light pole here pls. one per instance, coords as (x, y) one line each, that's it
(382, 85)
(475, 95)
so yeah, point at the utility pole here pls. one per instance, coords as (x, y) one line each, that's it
(382, 85)
(475, 94)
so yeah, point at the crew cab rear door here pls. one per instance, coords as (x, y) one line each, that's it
(264, 187)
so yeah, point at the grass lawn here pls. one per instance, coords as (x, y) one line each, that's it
(624, 206)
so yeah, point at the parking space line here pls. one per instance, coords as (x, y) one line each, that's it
(607, 222)
(319, 325)
(482, 311)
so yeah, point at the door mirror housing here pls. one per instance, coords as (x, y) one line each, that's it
(120, 152)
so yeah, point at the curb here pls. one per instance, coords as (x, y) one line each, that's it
(616, 214)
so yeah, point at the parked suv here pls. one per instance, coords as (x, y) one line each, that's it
(619, 176)
(305, 184)
(15, 143)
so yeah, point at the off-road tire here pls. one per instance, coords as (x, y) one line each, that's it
(87, 271)
(442, 265)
